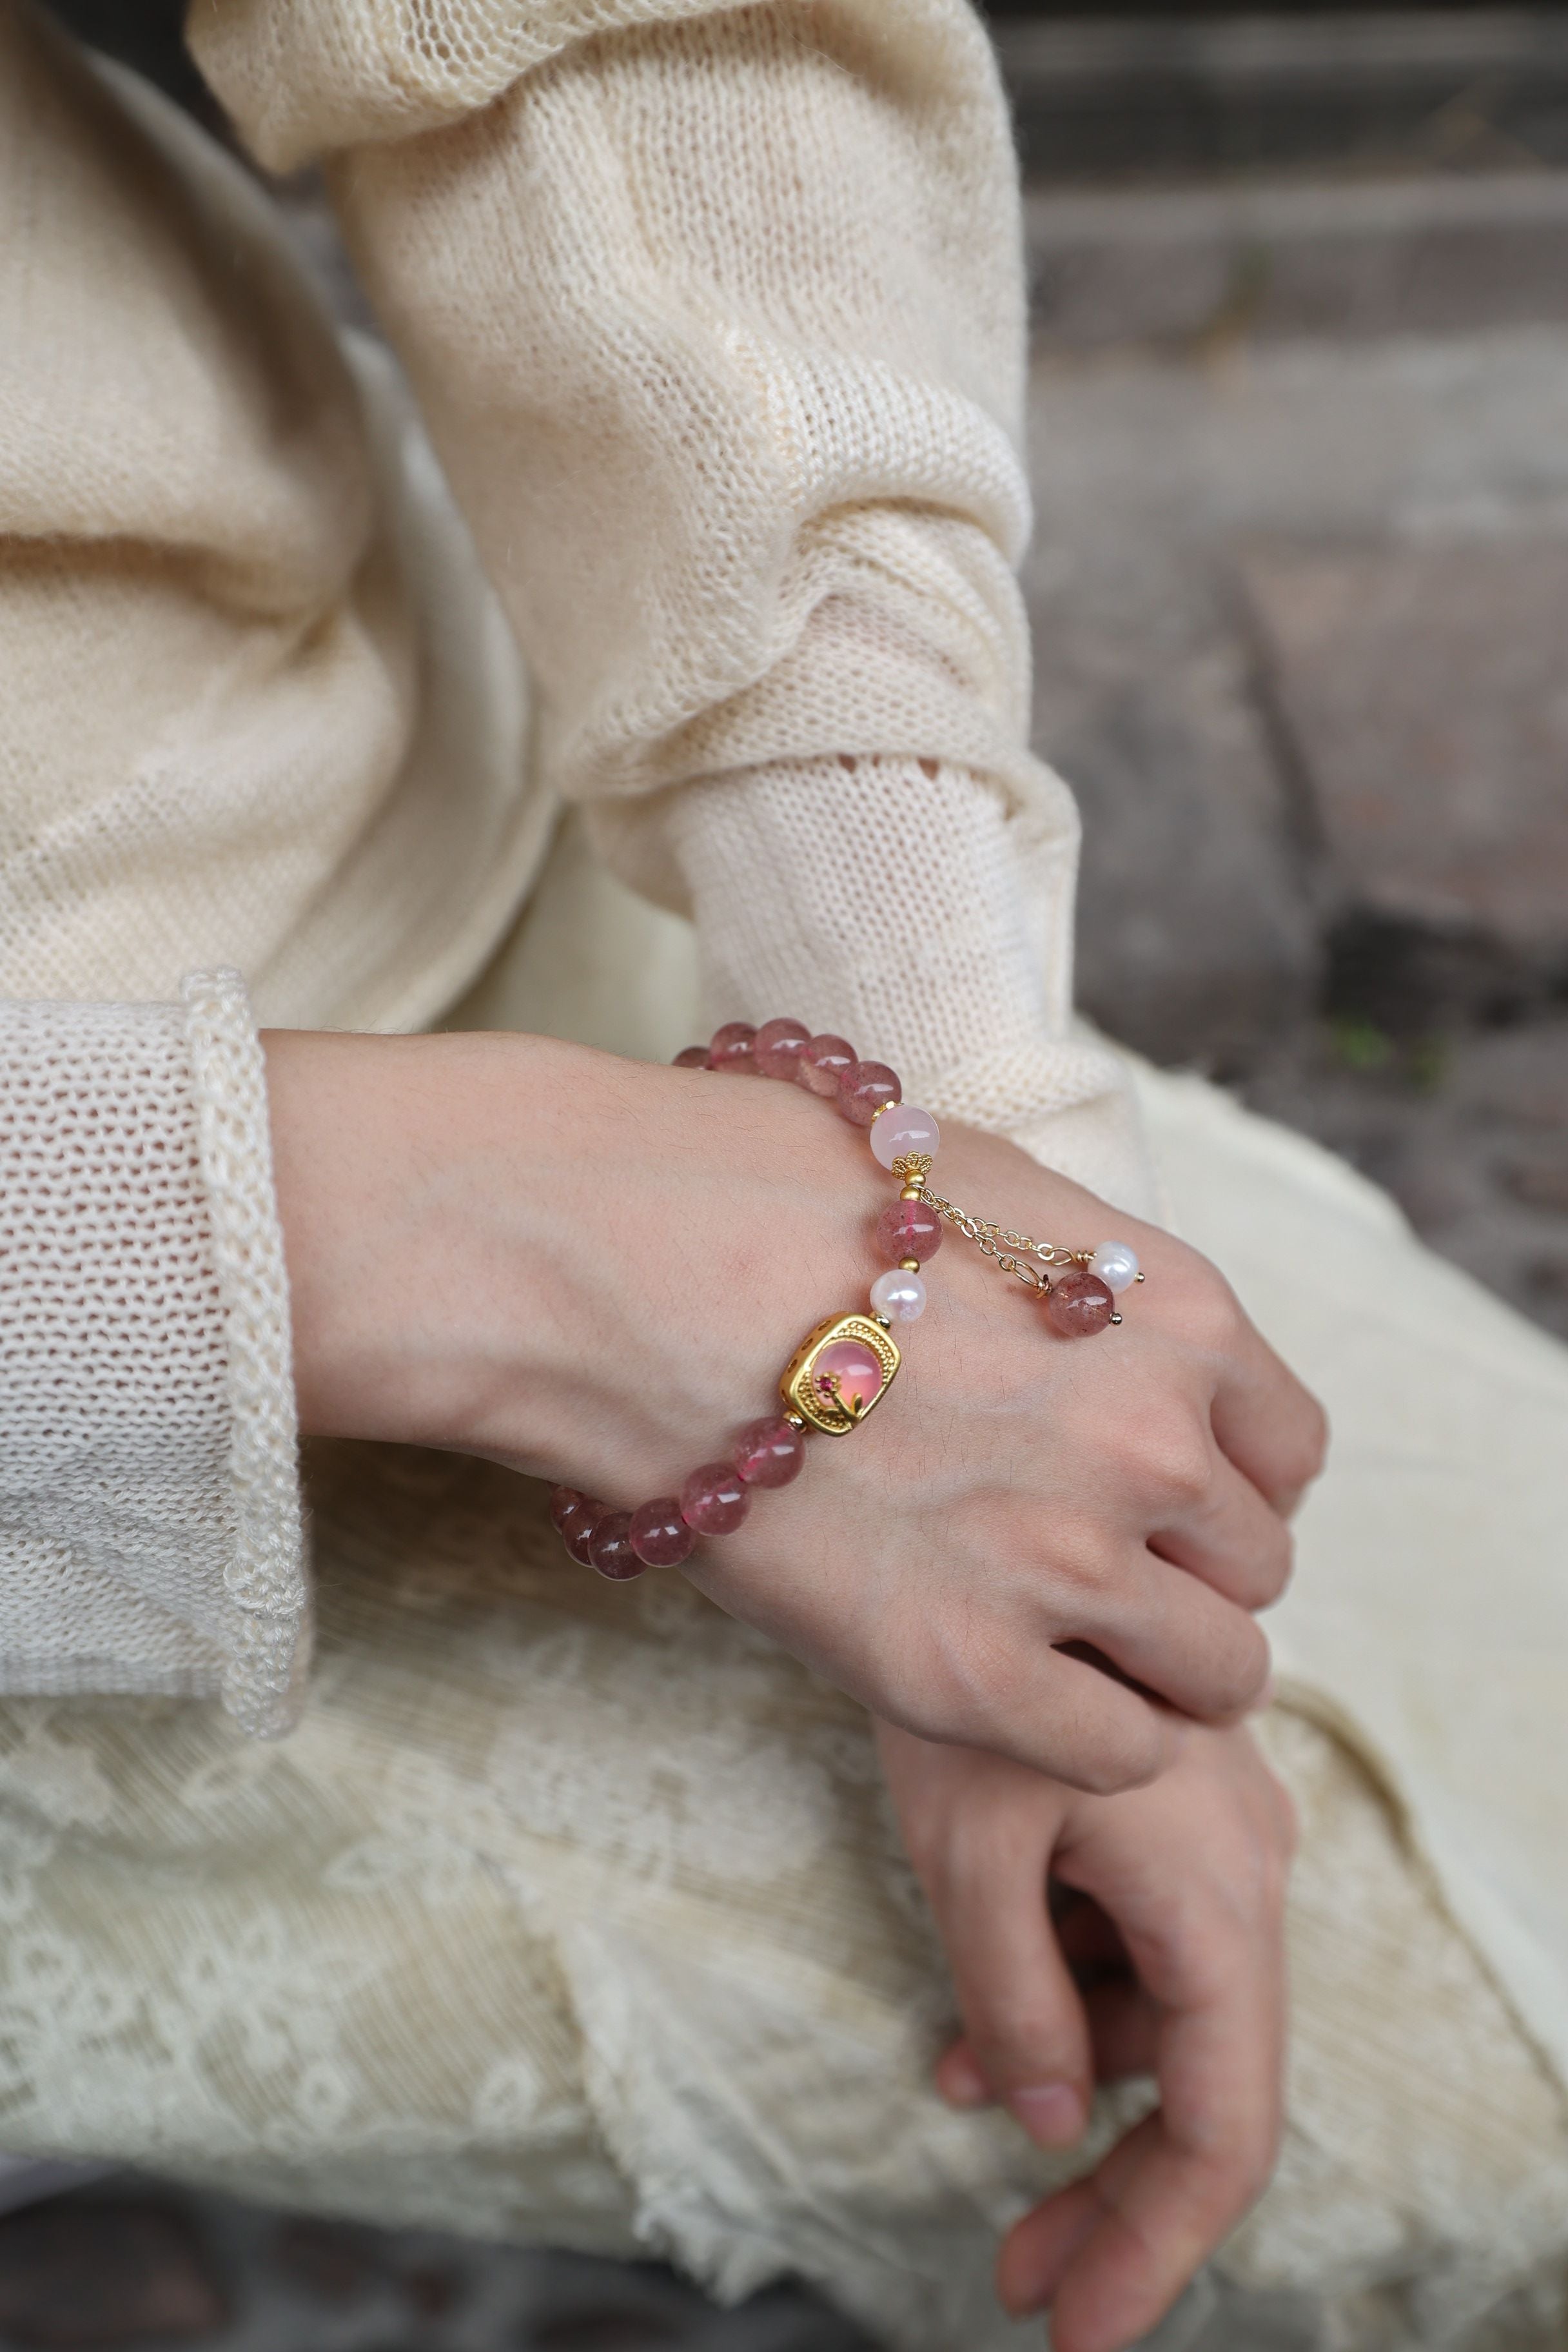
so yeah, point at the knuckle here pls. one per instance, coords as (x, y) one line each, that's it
(1174, 1458)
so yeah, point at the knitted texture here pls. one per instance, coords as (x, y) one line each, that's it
(265, 1575)
(129, 1494)
(875, 934)
(304, 748)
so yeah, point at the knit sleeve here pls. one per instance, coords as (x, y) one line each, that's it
(150, 1520)
(715, 315)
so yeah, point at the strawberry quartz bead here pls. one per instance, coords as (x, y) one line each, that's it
(610, 1548)
(566, 1504)
(769, 1452)
(868, 1087)
(909, 1229)
(692, 1058)
(730, 1048)
(660, 1537)
(779, 1046)
(1079, 1306)
(823, 1063)
(714, 1499)
(579, 1534)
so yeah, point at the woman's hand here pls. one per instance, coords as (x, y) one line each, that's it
(595, 1270)
(1170, 1962)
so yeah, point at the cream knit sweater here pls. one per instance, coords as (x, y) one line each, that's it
(714, 317)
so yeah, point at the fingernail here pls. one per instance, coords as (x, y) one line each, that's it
(1052, 2113)
(962, 2083)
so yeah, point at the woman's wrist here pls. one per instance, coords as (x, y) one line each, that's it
(479, 1229)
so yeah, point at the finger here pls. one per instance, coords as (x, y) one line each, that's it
(1024, 2019)
(1271, 1428)
(1233, 1538)
(1112, 2255)
(1175, 1636)
(1123, 2031)
(1070, 1721)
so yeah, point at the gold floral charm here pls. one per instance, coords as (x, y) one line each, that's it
(839, 1373)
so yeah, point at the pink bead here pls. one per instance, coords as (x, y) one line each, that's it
(730, 1048)
(566, 1504)
(866, 1089)
(1079, 1306)
(769, 1452)
(909, 1229)
(902, 1131)
(858, 1372)
(578, 1534)
(714, 1499)
(779, 1046)
(823, 1063)
(610, 1548)
(660, 1537)
(692, 1058)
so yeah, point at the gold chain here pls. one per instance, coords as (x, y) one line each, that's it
(1010, 1250)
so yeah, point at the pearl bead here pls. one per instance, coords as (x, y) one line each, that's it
(903, 1130)
(1116, 1265)
(902, 1297)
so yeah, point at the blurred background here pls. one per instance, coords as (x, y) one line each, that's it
(1299, 414)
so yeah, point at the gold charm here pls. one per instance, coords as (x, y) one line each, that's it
(839, 1373)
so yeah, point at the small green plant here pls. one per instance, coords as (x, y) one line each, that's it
(1361, 1044)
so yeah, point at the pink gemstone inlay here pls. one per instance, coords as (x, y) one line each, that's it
(909, 1229)
(823, 1063)
(903, 1130)
(769, 1452)
(1079, 1306)
(779, 1046)
(866, 1089)
(730, 1048)
(857, 1369)
(714, 1499)
(660, 1537)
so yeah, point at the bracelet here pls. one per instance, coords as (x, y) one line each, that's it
(844, 1368)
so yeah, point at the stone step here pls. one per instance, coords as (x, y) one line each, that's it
(1102, 94)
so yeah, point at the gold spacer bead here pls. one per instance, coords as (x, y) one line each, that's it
(1116, 1318)
(884, 1321)
(1137, 1277)
(909, 1266)
(912, 1192)
(797, 1421)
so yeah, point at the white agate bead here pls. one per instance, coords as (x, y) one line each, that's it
(902, 1130)
(1115, 1265)
(898, 1295)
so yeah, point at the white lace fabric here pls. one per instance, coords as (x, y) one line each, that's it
(150, 1522)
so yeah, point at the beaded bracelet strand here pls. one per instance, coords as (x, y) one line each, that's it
(844, 1368)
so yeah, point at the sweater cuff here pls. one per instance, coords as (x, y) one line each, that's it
(900, 902)
(268, 1620)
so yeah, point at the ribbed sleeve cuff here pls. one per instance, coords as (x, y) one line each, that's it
(900, 902)
(268, 1630)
